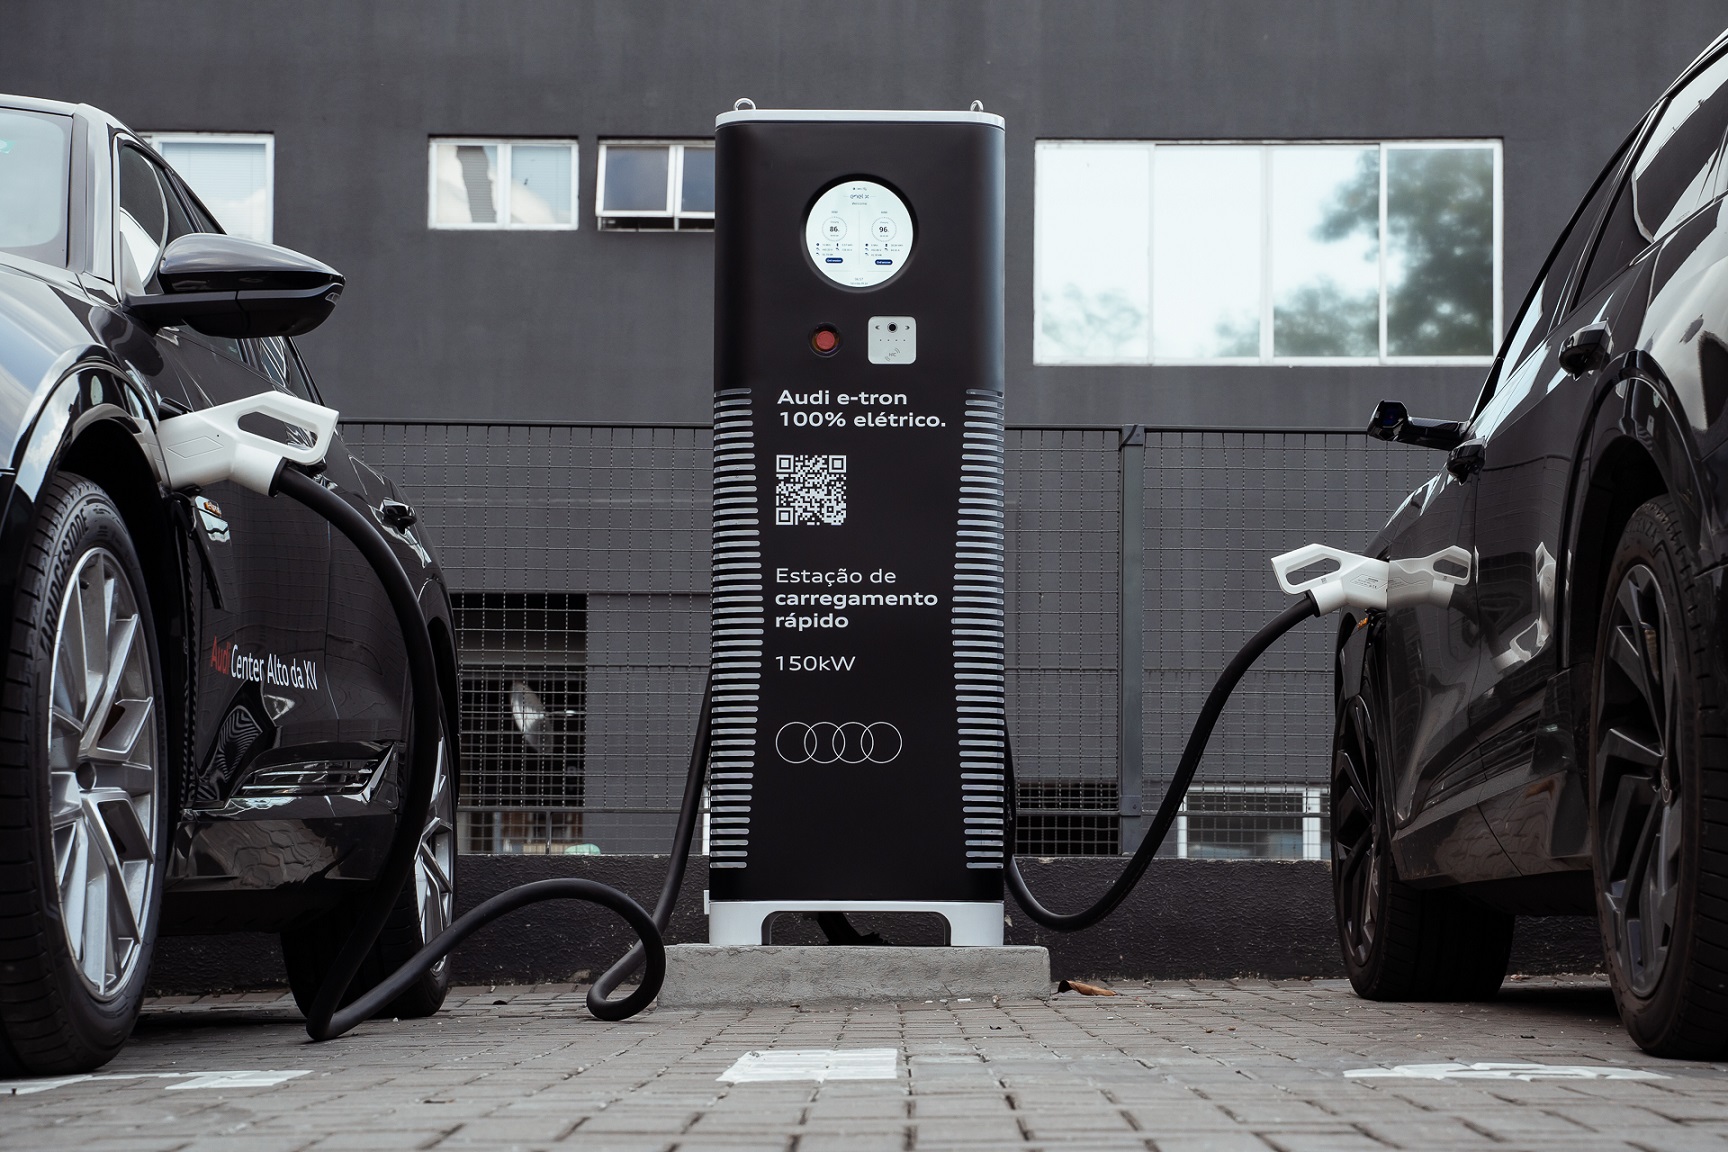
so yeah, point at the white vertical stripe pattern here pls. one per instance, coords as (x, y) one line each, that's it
(737, 630)
(977, 628)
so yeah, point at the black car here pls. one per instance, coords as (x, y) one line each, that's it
(1556, 740)
(203, 711)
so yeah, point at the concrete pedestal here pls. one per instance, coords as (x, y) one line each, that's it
(719, 976)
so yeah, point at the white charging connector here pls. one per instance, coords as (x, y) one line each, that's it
(208, 446)
(1363, 582)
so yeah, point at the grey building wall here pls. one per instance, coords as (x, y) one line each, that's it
(596, 326)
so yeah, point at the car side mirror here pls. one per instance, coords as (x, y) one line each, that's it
(227, 286)
(1392, 421)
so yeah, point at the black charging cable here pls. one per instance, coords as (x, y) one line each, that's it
(682, 837)
(1198, 737)
(328, 1018)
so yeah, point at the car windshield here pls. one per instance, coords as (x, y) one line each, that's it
(35, 165)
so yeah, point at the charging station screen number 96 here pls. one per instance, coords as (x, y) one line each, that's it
(858, 233)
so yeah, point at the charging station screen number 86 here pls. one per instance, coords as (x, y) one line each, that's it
(858, 233)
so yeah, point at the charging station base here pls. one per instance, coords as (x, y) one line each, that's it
(971, 923)
(720, 976)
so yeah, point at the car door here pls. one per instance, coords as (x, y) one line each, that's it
(1528, 705)
(367, 669)
(263, 563)
(1426, 657)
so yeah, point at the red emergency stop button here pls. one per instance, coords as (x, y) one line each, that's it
(825, 340)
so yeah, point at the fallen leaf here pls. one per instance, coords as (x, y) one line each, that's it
(1085, 989)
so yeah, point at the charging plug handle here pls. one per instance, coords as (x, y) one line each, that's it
(1367, 583)
(208, 446)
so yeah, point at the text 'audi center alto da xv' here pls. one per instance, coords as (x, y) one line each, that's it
(202, 717)
(1556, 739)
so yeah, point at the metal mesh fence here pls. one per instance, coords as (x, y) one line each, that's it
(1218, 506)
(577, 556)
(1064, 523)
(578, 561)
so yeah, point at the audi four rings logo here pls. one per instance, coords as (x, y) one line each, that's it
(850, 743)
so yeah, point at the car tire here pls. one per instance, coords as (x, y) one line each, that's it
(83, 789)
(1659, 830)
(424, 908)
(1399, 942)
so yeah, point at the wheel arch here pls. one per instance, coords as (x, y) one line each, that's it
(96, 424)
(1637, 448)
(1622, 479)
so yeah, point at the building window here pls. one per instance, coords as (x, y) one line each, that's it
(1247, 821)
(235, 177)
(656, 185)
(1267, 253)
(502, 184)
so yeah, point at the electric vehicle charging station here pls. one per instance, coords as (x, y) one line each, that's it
(858, 732)
(853, 671)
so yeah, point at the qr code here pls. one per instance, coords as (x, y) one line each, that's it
(809, 489)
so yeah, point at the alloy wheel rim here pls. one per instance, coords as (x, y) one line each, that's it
(1640, 809)
(1355, 861)
(434, 893)
(102, 773)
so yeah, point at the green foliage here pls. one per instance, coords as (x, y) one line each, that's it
(1440, 240)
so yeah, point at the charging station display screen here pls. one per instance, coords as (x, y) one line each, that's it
(858, 233)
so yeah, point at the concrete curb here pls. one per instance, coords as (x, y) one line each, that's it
(1188, 918)
(710, 976)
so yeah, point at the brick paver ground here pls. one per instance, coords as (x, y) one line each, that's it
(1247, 1064)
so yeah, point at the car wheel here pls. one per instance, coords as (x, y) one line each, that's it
(1658, 836)
(424, 908)
(1399, 942)
(83, 786)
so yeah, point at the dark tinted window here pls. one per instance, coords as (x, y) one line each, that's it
(275, 358)
(35, 167)
(197, 219)
(143, 222)
(150, 216)
(1550, 298)
(1678, 171)
(1621, 241)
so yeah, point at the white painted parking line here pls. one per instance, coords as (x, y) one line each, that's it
(241, 1078)
(1492, 1071)
(818, 1064)
(252, 1079)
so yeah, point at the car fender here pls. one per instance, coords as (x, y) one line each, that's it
(1637, 443)
(1650, 414)
(90, 392)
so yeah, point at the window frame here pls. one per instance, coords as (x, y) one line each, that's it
(1266, 358)
(674, 186)
(155, 140)
(505, 145)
